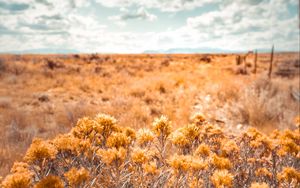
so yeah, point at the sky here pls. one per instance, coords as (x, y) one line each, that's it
(135, 26)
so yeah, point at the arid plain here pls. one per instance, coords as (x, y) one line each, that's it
(44, 95)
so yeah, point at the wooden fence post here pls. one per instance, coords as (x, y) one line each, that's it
(238, 59)
(245, 63)
(255, 62)
(271, 62)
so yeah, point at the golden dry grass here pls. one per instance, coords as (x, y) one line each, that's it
(43, 95)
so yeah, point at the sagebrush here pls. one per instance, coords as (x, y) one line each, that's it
(100, 153)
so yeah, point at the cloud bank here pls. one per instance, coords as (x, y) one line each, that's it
(134, 26)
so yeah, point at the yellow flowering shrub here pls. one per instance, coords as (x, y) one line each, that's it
(17, 180)
(229, 149)
(130, 133)
(203, 150)
(97, 152)
(198, 119)
(77, 177)
(50, 182)
(162, 127)
(150, 168)
(180, 140)
(220, 162)
(20, 167)
(85, 128)
(66, 143)
(144, 137)
(180, 163)
(263, 172)
(197, 164)
(106, 124)
(118, 140)
(259, 185)
(39, 151)
(139, 156)
(113, 155)
(222, 178)
(289, 176)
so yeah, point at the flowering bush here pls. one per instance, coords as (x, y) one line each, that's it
(100, 153)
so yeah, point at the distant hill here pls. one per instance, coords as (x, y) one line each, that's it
(160, 51)
(202, 50)
(190, 50)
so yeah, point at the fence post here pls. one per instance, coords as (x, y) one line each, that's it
(255, 62)
(245, 63)
(271, 62)
(238, 59)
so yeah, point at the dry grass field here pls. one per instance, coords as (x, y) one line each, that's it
(45, 95)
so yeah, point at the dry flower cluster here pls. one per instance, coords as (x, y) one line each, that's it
(100, 153)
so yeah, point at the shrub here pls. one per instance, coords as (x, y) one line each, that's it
(100, 153)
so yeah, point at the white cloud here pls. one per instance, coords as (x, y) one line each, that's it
(248, 24)
(165, 5)
(47, 24)
(43, 16)
(140, 14)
